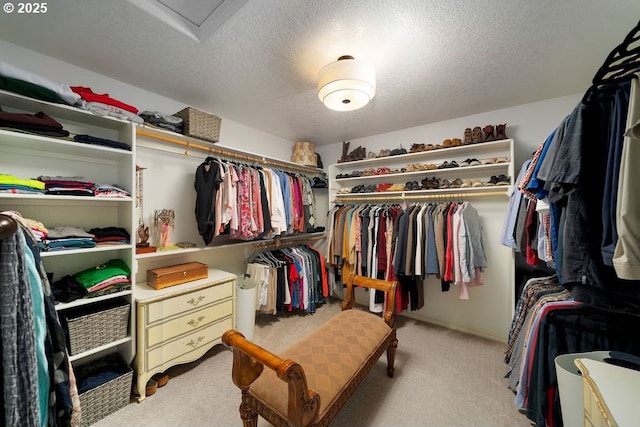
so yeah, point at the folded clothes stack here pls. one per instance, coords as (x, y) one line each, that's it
(104, 105)
(65, 238)
(38, 123)
(68, 185)
(162, 120)
(14, 185)
(17, 80)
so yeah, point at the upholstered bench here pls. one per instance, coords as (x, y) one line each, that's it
(308, 383)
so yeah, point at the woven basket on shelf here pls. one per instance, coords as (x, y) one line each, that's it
(88, 330)
(106, 398)
(199, 124)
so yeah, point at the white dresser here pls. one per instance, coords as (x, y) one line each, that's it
(179, 324)
(611, 394)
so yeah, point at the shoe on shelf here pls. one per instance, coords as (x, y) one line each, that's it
(474, 162)
(447, 143)
(444, 165)
(465, 163)
(444, 184)
(456, 183)
(488, 133)
(501, 131)
(412, 185)
(416, 148)
(466, 183)
(476, 135)
(468, 139)
(456, 142)
(493, 180)
(502, 160)
(453, 164)
(384, 152)
(503, 180)
(477, 183)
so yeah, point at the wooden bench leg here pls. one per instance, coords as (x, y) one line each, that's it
(391, 357)
(247, 413)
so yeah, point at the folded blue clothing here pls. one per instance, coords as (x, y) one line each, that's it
(99, 372)
(66, 244)
(88, 139)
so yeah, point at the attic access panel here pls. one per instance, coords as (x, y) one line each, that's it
(197, 19)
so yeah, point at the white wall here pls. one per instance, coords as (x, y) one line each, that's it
(232, 134)
(528, 124)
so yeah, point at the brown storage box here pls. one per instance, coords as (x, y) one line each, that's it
(199, 124)
(163, 277)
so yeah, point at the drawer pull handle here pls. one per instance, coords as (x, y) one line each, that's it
(195, 343)
(194, 322)
(195, 302)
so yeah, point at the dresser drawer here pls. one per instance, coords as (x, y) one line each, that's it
(183, 324)
(181, 347)
(180, 304)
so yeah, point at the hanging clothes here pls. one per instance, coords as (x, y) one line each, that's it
(36, 367)
(570, 214)
(288, 278)
(247, 202)
(408, 244)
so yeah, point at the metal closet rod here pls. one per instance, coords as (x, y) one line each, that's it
(288, 241)
(442, 196)
(230, 154)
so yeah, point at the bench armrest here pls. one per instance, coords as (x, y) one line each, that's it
(389, 287)
(249, 360)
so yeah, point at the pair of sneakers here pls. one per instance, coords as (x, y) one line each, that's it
(470, 162)
(447, 165)
(499, 180)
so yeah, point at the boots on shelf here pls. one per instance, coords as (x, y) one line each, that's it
(488, 133)
(476, 135)
(467, 137)
(345, 151)
(501, 131)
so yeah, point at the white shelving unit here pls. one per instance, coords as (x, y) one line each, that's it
(28, 156)
(489, 311)
(483, 152)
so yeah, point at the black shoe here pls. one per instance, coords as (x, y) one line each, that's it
(503, 180)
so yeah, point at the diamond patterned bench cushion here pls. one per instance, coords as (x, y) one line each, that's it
(331, 356)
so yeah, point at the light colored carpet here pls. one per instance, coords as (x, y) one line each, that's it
(442, 378)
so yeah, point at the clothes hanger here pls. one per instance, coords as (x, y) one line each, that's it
(619, 66)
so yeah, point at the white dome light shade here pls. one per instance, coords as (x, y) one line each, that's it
(346, 84)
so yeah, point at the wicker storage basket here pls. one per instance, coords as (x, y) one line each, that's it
(199, 124)
(106, 398)
(97, 324)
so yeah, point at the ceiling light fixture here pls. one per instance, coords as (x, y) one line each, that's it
(346, 84)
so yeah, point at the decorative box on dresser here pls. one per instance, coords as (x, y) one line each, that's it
(179, 324)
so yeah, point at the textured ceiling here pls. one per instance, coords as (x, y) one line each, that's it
(434, 60)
